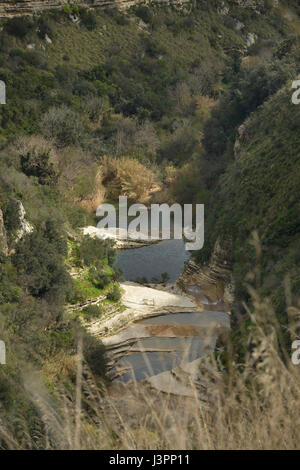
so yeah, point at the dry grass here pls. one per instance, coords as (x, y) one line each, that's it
(254, 406)
(127, 177)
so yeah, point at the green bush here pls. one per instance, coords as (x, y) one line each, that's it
(16, 52)
(45, 28)
(92, 311)
(19, 26)
(39, 260)
(114, 294)
(93, 250)
(117, 15)
(152, 47)
(144, 12)
(98, 276)
(94, 354)
(88, 19)
(9, 290)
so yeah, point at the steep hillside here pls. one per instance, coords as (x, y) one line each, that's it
(260, 193)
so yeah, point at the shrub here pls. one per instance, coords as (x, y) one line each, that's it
(93, 250)
(11, 218)
(45, 28)
(144, 12)
(39, 260)
(36, 163)
(9, 290)
(118, 16)
(94, 355)
(66, 75)
(88, 19)
(152, 47)
(64, 125)
(67, 9)
(180, 146)
(165, 277)
(92, 311)
(98, 276)
(114, 294)
(84, 88)
(19, 26)
(16, 52)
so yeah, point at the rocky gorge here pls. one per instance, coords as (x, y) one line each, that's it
(164, 330)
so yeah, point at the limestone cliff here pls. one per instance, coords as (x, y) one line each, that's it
(3, 237)
(11, 8)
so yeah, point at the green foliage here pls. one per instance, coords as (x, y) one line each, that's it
(141, 280)
(88, 18)
(93, 351)
(248, 91)
(115, 294)
(117, 15)
(36, 163)
(99, 276)
(260, 192)
(152, 47)
(93, 250)
(9, 290)
(64, 125)
(83, 290)
(144, 12)
(39, 260)
(92, 311)
(10, 209)
(19, 26)
(45, 27)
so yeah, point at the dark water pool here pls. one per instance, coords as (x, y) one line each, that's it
(152, 261)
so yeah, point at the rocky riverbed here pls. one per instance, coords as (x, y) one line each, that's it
(160, 337)
(163, 331)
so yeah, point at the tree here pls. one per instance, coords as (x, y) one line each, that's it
(39, 260)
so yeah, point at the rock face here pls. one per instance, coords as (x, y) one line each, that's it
(213, 283)
(24, 226)
(159, 338)
(11, 8)
(122, 238)
(141, 303)
(166, 351)
(3, 238)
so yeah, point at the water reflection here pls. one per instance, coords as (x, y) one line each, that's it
(153, 261)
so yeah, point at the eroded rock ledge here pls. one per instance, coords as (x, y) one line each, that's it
(141, 302)
(11, 8)
(169, 325)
